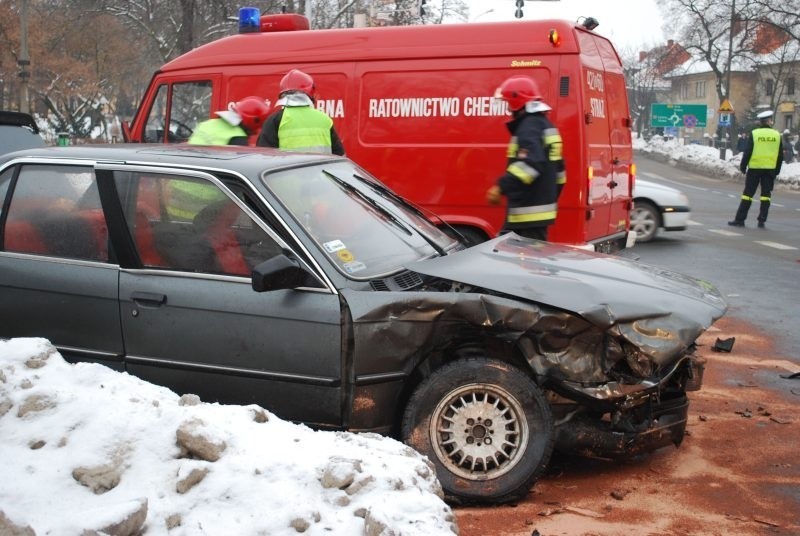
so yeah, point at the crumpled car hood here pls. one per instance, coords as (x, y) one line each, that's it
(605, 290)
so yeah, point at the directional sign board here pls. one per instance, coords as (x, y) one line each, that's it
(678, 115)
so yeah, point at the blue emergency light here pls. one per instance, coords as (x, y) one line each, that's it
(249, 20)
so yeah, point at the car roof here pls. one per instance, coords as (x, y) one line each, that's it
(18, 119)
(247, 160)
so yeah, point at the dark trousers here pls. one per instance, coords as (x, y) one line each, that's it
(537, 233)
(755, 178)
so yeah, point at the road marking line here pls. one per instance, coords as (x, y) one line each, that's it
(776, 205)
(692, 222)
(724, 233)
(775, 245)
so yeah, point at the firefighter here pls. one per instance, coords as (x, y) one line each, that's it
(298, 126)
(535, 173)
(761, 161)
(234, 125)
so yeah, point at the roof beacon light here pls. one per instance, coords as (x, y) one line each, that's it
(590, 23)
(249, 20)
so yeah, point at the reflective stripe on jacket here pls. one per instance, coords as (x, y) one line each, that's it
(215, 132)
(534, 173)
(304, 128)
(766, 148)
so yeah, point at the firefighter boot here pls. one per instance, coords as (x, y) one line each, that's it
(741, 213)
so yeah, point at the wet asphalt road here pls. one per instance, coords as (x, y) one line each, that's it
(758, 270)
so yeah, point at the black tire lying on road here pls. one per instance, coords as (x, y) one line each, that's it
(485, 425)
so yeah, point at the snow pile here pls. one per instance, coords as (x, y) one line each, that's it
(706, 159)
(86, 450)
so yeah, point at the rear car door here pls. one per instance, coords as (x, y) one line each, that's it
(190, 318)
(58, 279)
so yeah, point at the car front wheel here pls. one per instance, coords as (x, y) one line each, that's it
(645, 220)
(485, 425)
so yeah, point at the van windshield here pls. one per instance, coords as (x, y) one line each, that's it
(363, 233)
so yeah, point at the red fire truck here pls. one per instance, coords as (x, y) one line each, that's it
(414, 106)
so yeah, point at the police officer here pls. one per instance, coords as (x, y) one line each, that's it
(762, 161)
(298, 126)
(535, 173)
(234, 125)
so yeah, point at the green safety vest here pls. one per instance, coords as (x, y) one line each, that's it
(304, 128)
(215, 132)
(766, 147)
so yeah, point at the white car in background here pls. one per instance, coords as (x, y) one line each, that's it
(657, 207)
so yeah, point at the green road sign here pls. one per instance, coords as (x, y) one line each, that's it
(678, 115)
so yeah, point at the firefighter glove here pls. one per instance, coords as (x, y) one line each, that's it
(493, 195)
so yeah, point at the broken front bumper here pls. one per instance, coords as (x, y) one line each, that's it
(664, 424)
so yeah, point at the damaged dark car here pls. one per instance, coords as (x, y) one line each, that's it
(300, 283)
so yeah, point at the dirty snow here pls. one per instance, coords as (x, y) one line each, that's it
(706, 159)
(86, 450)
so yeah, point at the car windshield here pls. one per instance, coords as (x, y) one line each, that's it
(14, 138)
(363, 228)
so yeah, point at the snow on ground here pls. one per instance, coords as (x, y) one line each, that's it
(707, 160)
(86, 450)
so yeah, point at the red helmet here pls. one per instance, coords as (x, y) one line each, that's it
(297, 80)
(517, 91)
(253, 112)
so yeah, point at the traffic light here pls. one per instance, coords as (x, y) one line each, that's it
(518, 13)
(422, 8)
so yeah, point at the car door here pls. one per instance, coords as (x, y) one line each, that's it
(190, 318)
(58, 279)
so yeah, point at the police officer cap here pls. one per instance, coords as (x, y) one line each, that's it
(764, 115)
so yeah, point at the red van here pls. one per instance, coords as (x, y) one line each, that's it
(414, 105)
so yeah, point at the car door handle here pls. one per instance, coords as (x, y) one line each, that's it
(149, 299)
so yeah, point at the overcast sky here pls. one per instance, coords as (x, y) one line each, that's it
(628, 23)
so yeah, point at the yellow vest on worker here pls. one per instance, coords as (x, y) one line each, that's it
(215, 132)
(304, 128)
(766, 147)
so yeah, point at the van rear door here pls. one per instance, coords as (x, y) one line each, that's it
(607, 191)
(619, 125)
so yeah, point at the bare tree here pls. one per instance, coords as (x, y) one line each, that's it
(720, 32)
(644, 76)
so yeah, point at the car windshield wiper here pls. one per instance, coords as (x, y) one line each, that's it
(383, 191)
(349, 188)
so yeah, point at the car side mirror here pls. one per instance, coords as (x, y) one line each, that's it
(280, 272)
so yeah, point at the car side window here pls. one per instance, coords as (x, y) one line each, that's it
(189, 224)
(55, 210)
(191, 104)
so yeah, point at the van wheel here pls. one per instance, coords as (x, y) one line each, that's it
(486, 427)
(471, 235)
(645, 220)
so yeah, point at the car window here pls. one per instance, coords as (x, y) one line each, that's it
(14, 138)
(157, 118)
(191, 104)
(55, 210)
(190, 225)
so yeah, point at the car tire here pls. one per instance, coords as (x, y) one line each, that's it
(453, 412)
(645, 220)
